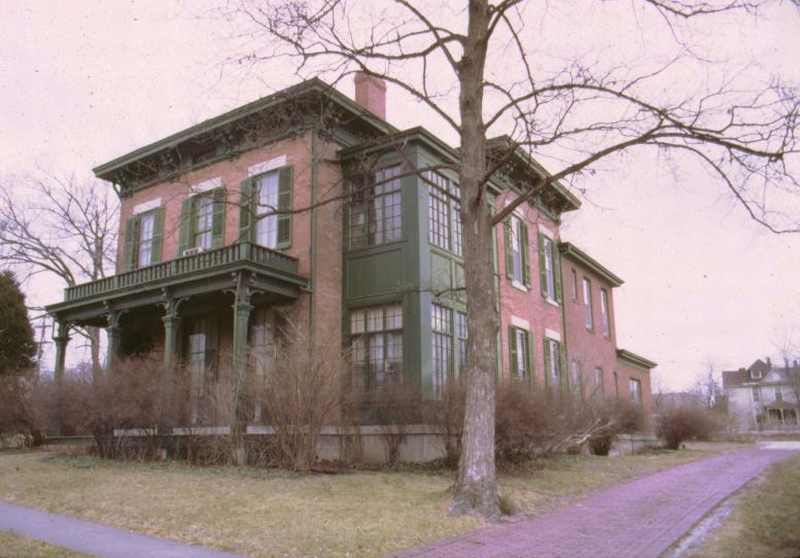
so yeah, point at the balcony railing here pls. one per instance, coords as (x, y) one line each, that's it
(202, 262)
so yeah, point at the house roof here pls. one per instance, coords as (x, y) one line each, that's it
(161, 149)
(635, 360)
(569, 249)
(735, 378)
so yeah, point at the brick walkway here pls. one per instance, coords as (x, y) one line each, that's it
(640, 518)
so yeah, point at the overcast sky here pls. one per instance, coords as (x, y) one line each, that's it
(85, 81)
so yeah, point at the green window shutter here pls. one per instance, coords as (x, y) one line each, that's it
(548, 362)
(523, 246)
(185, 231)
(557, 272)
(284, 204)
(512, 351)
(531, 356)
(508, 250)
(218, 219)
(129, 244)
(562, 361)
(542, 267)
(158, 235)
(246, 205)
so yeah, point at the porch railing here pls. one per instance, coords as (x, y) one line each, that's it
(187, 265)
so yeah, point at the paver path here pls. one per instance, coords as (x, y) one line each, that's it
(636, 519)
(94, 539)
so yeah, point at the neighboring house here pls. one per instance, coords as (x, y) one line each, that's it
(764, 397)
(309, 206)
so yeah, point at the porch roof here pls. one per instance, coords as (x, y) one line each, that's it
(213, 270)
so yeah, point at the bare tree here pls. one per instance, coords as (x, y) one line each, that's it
(60, 227)
(488, 66)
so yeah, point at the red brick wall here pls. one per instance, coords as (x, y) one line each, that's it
(526, 304)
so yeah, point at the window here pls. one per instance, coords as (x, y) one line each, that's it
(549, 269)
(376, 340)
(574, 285)
(616, 384)
(552, 362)
(263, 352)
(442, 345)
(520, 353)
(604, 308)
(200, 355)
(587, 303)
(143, 239)
(599, 384)
(576, 379)
(516, 243)
(375, 211)
(778, 393)
(756, 397)
(461, 333)
(636, 392)
(444, 215)
(202, 221)
(265, 216)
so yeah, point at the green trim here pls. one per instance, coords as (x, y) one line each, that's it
(107, 171)
(635, 360)
(572, 251)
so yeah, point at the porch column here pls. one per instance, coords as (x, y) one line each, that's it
(241, 319)
(114, 335)
(171, 321)
(61, 340)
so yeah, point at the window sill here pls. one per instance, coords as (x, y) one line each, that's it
(552, 302)
(519, 286)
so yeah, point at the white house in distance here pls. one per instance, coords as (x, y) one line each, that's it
(764, 397)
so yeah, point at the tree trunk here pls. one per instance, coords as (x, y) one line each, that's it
(476, 485)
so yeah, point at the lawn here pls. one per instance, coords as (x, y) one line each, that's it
(765, 520)
(267, 512)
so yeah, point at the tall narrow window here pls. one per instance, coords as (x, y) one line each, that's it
(461, 333)
(587, 303)
(375, 210)
(599, 384)
(604, 312)
(756, 395)
(636, 392)
(552, 362)
(265, 217)
(202, 225)
(200, 355)
(442, 346)
(516, 243)
(376, 340)
(444, 216)
(574, 285)
(143, 238)
(576, 379)
(549, 269)
(520, 353)
(204, 222)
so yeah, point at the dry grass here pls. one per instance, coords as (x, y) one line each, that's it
(14, 546)
(262, 513)
(765, 520)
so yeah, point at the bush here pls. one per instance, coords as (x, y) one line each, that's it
(685, 421)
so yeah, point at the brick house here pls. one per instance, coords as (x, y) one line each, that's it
(764, 397)
(309, 205)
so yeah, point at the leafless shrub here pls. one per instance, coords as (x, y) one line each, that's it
(537, 422)
(686, 421)
(447, 417)
(395, 407)
(300, 395)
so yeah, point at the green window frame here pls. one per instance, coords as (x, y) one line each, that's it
(144, 235)
(376, 344)
(265, 209)
(549, 269)
(375, 209)
(515, 232)
(444, 213)
(553, 363)
(441, 348)
(521, 354)
(202, 223)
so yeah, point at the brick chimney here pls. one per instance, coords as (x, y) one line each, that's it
(371, 94)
